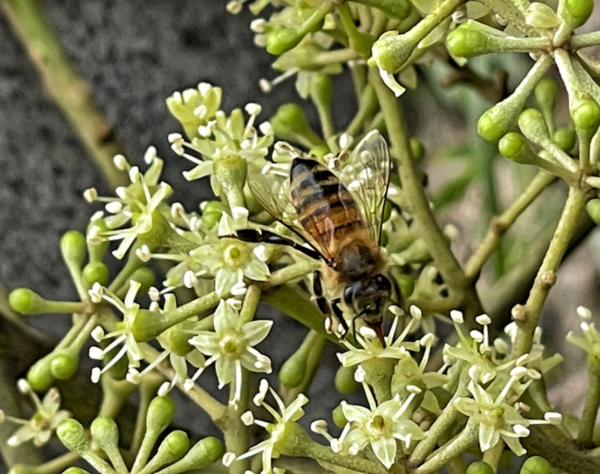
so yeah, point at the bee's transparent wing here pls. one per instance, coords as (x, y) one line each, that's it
(271, 188)
(367, 177)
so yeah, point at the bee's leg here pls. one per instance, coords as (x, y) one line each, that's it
(322, 302)
(268, 237)
(339, 314)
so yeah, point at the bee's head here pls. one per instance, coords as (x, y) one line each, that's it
(368, 297)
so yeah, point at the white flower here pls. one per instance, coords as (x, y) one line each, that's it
(230, 347)
(230, 260)
(371, 348)
(378, 426)
(283, 416)
(137, 203)
(122, 335)
(44, 421)
(590, 342)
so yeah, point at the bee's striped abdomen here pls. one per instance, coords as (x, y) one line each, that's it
(324, 206)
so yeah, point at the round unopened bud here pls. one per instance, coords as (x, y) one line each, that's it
(406, 285)
(95, 272)
(533, 125)
(293, 370)
(105, 433)
(204, 453)
(344, 380)
(290, 124)
(145, 277)
(466, 42)
(391, 50)
(546, 92)
(577, 12)
(73, 248)
(479, 467)
(26, 301)
(339, 419)
(535, 465)
(40, 375)
(586, 114)
(514, 147)
(495, 123)
(417, 149)
(282, 40)
(63, 365)
(211, 213)
(72, 435)
(178, 339)
(593, 209)
(160, 414)
(564, 138)
(321, 89)
(174, 446)
(387, 211)
(71, 470)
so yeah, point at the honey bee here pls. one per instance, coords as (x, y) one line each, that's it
(339, 217)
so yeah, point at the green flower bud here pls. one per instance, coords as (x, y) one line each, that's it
(73, 248)
(593, 209)
(211, 219)
(25, 301)
(514, 147)
(293, 370)
(75, 470)
(72, 435)
(178, 339)
(95, 272)
(204, 453)
(159, 230)
(576, 12)
(359, 41)
(498, 120)
(63, 365)
(147, 325)
(214, 206)
(185, 107)
(533, 126)
(231, 174)
(417, 252)
(40, 375)
(290, 123)
(546, 93)
(339, 419)
(282, 40)
(406, 285)
(467, 42)
(105, 433)
(145, 277)
(160, 414)
(344, 380)
(564, 138)
(417, 149)
(535, 465)
(173, 448)
(585, 114)
(391, 50)
(321, 89)
(479, 467)
(385, 238)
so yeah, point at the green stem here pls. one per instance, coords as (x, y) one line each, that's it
(442, 423)
(251, 301)
(57, 464)
(291, 272)
(546, 276)
(237, 436)
(592, 402)
(412, 183)
(67, 89)
(466, 439)
(149, 324)
(501, 223)
(585, 40)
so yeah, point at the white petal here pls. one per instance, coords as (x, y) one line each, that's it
(385, 450)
